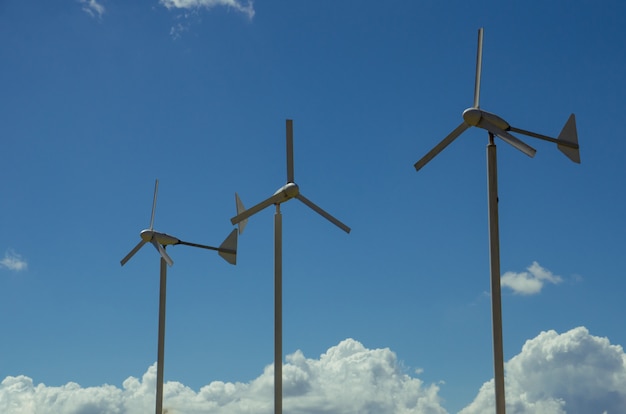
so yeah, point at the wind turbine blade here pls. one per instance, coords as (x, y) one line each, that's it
(228, 249)
(440, 147)
(479, 68)
(323, 213)
(132, 252)
(154, 199)
(162, 252)
(240, 209)
(275, 199)
(508, 138)
(569, 135)
(289, 151)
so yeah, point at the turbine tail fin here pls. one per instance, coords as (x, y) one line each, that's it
(228, 249)
(240, 209)
(570, 135)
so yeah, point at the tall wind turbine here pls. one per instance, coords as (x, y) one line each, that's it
(567, 142)
(227, 250)
(286, 192)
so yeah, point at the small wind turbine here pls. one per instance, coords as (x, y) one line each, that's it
(228, 250)
(286, 192)
(567, 142)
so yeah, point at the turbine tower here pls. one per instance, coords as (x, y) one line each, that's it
(285, 193)
(227, 250)
(567, 142)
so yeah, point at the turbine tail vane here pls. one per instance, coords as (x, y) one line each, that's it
(228, 249)
(275, 199)
(570, 136)
(240, 209)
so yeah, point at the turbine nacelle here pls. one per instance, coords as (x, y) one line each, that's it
(161, 238)
(289, 191)
(474, 116)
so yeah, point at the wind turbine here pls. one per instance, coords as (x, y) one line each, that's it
(227, 250)
(285, 193)
(567, 142)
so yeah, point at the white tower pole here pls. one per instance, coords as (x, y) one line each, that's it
(278, 311)
(161, 346)
(494, 255)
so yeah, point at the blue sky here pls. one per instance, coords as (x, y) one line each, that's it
(101, 97)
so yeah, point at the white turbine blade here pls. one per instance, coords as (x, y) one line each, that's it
(440, 147)
(240, 209)
(275, 199)
(228, 249)
(479, 68)
(154, 200)
(162, 252)
(290, 151)
(508, 138)
(323, 213)
(570, 135)
(132, 252)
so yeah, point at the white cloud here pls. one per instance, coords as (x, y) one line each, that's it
(13, 261)
(573, 373)
(348, 378)
(531, 282)
(246, 8)
(92, 7)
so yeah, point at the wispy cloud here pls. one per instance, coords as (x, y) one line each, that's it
(246, 8)
(530, 282)
(92, 7)
(13, 261)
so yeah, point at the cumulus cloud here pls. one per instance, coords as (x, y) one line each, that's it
(92, 7)
(573, 373)
(13, 261)
(348, 378)
(530, 282)
(246, 8)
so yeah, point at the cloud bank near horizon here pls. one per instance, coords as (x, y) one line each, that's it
(574, 372)
(348, 378)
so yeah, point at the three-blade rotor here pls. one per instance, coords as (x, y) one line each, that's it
(567, 142)
(287, 192)
(227, 250)
(148, 235)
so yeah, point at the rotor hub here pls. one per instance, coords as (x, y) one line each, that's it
(147, 235)
(289, 191)
(478, 118)
(472, 116)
